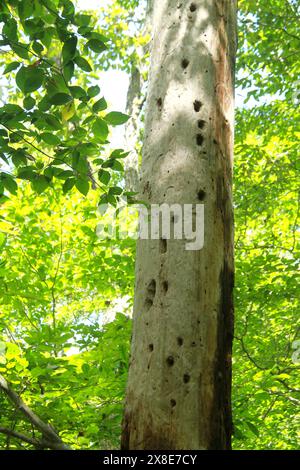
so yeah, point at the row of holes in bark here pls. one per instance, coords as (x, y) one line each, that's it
(201, 123)
(197, 106)
(179, 342)
(151, 292)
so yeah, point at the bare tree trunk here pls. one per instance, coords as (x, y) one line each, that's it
(134, 106)
(179, 385)
(133, 109)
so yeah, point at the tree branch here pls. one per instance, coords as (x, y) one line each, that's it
(50, 437)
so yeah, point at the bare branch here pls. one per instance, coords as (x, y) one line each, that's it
(49, 434)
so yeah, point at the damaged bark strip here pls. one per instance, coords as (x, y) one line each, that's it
(179, 384)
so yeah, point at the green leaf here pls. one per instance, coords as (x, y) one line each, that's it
(21, 50)
(83, 64)
(28, 102)
(96, 45)
(68, 185)
(119, 153)
(100, 105)
(82, 20)
(93, 91)
(104, 176)
(40, 183)
(77, 92)
(53, 122)
(115, 190)
(63, 175)
(117, 166)
(12, 66)
(60, 98)
(82, 186)
(253, 428)
(29, 78)
(10, 184)
(68, 70)
(116, 119)
(2, 236)
(37, 47)
(10, 29)
(100, 130)
(19, 158)
(50, 139)
(69, 49)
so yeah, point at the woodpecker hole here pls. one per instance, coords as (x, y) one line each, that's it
(201, 195)
(184, 63)
(197, 105)
(170, 361)
(186, 378)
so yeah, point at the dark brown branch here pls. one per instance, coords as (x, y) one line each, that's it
(20, 436)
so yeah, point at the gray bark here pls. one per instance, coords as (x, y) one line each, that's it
(179, 385)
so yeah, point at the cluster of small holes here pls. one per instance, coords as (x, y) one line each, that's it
(201, 124)
(151, 291)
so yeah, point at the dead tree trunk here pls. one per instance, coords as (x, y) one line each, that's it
(179, 385)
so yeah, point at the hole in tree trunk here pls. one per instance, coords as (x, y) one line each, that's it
(170, 361)
(197, 105)
(186, 378)
(148, 303)
(151, 291)
(184, 63)
(201, 195)
(201, 124)
(165, 286)
(199, 139)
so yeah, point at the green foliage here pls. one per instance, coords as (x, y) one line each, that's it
(54, 103)
(266, 385)
(66, 339)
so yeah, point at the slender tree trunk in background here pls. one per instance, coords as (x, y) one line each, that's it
(179, 385)
(133, 108)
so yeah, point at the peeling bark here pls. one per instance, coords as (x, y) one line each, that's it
(179, 385)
